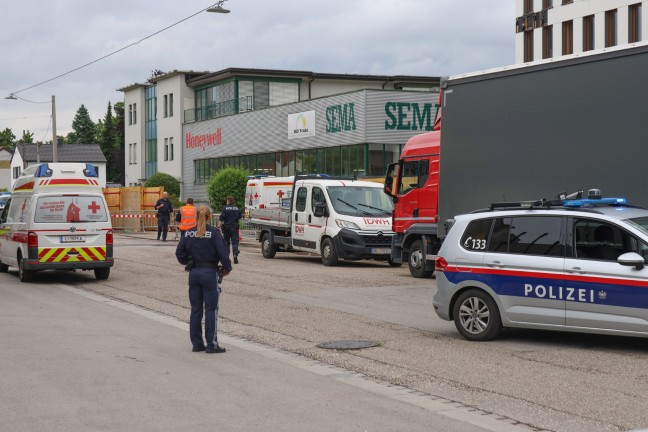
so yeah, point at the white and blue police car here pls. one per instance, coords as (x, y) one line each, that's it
(568, 265)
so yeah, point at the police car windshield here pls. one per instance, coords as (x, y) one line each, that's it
(360, 201)
(641, 223)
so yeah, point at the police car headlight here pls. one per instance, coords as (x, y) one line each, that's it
(346, 224)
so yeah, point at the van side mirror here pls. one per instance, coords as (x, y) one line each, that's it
(632, 259)
(320, 210)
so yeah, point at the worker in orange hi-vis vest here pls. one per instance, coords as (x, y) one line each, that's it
(186, 217)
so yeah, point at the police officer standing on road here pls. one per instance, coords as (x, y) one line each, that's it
(228, 222)
(201, 249)
(164, 210)
(186, 217)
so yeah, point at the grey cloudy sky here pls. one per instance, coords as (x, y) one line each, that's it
(40, 40)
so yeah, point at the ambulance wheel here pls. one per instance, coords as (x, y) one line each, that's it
(329, 255)
(393, 264)
(416, 261)
(102, 273)
(268, 250)
(476, 316)
(24, 275)
(4, 268)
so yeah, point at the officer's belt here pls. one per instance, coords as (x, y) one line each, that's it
(205, 264)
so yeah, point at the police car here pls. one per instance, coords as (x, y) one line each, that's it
(567, 265)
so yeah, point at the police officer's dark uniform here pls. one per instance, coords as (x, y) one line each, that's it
(164, 210)
(205, 252)
(229, 220)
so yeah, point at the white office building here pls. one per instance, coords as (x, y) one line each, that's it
(546, 29)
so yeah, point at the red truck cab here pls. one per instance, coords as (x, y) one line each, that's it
(413, 184)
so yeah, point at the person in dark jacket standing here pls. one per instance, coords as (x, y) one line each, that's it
(201, 249)
(164, 211)
(228, 222)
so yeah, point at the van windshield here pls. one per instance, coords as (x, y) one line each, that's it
(68, 209)
(360, 201)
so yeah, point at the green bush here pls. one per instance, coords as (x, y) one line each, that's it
(228, 181)
(170, 183)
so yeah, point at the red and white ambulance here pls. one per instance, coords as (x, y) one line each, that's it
(56, 219)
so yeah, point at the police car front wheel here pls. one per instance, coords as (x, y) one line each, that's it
(476, 316)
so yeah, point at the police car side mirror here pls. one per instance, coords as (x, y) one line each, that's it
(632, 259)
(320, 209)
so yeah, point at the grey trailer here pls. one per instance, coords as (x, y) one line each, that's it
(532, 131)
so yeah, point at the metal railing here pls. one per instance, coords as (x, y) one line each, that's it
(219, 109)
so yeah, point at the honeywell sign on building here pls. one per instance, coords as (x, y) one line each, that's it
(203, 141)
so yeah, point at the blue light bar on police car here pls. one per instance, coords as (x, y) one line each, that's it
(89, 171)
(585, 202)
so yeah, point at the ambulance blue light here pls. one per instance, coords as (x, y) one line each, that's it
(44, 171)
(89, 171)
(586, 202)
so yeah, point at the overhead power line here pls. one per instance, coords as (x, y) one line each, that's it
(115, 52)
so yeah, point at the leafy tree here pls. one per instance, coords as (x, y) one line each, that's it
(119, 145)
(7, 139)
(228, 181)
(84, 129)
(170, 183)
(27, 137)
(106, 134)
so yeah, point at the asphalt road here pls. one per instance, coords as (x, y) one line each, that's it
(544, 380)
(74, 361)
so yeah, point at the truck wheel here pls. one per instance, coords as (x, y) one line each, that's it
(393, 264)
(329, 255)
(268, 250)
(416, 260)
(24, 275)
(476, 316)
(4, 268)
(102, 273)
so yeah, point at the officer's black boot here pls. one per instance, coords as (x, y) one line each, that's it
(235, 260)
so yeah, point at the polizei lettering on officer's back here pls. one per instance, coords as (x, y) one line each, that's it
(559, 293)
(204, 140)
(208, 234)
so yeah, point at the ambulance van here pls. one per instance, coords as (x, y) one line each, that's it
(56, 219)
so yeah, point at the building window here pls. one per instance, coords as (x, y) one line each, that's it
(588, 33)
(567, 37)
(528, 6)
(528, 45)
(170, 104)
(166, 106)
(567, 1)
(166, 148)
(16, 172)
(547, 4)
(134, 113)
(130, 154)
(634, 23)
(547, 42)
(171, 148)
(130, 114)
(610, 28)
(134, 153)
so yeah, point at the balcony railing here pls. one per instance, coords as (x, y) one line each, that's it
(219, 109)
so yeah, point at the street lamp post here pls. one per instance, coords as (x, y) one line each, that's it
(54, 141)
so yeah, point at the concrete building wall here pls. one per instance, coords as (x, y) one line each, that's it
(134, 135)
